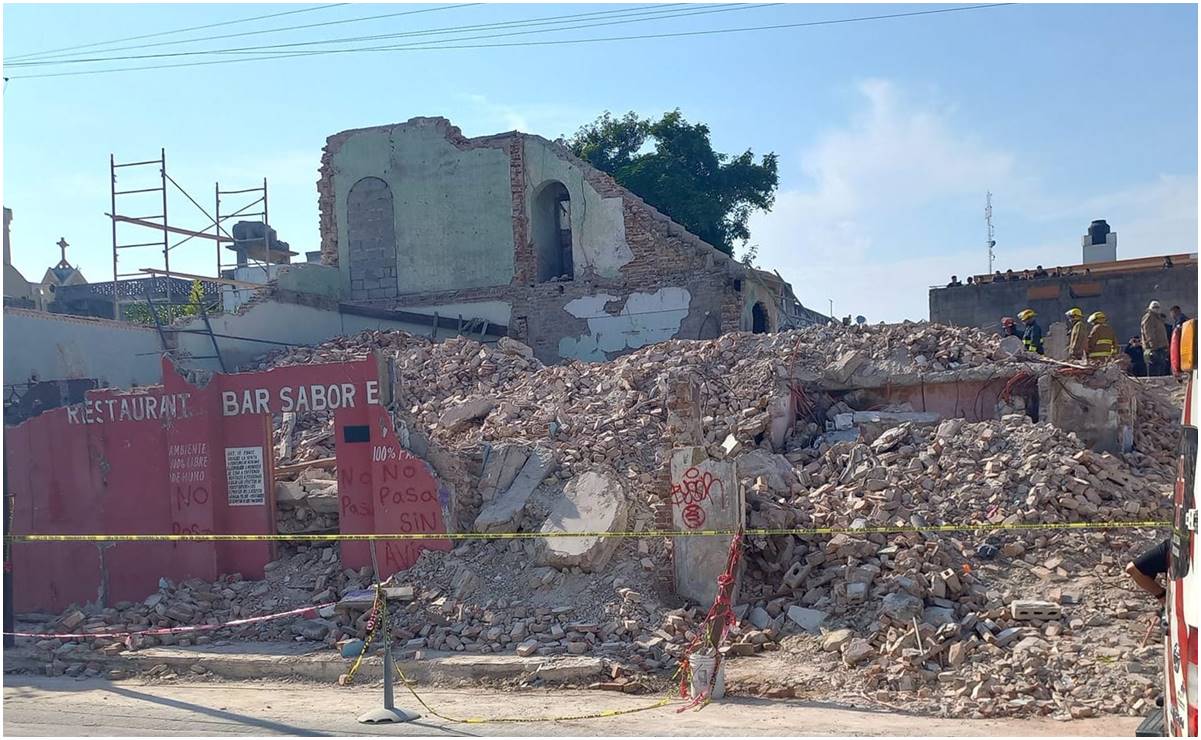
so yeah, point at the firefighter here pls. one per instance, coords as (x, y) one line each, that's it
(1078, 337)
(1155, 340)
(1032, 335)
(1008, 328)
(1102, 341)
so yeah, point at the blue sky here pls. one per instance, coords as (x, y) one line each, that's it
(889, 132)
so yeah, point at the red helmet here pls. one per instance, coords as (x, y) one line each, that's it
(1007, 321)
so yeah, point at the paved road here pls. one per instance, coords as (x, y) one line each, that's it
(63, 706)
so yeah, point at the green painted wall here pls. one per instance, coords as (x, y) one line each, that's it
(598, 232)
(453, 208)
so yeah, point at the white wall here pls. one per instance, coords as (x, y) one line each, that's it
(285, 323)
(644, 318)
(57, 347)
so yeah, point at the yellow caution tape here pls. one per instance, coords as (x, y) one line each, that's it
(508, 720)
(367, 640)
(761, 532)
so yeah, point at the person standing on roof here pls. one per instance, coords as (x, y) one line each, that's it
(1155, 340)
(1102, 341)
(1032, 335)
(1078, 336)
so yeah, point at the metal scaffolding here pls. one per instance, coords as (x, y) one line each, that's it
(129, 207)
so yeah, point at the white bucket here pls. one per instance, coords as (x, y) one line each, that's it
(702, 673)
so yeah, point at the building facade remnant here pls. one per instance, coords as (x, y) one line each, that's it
(515, 229)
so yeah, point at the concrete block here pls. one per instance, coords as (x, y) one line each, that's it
(1026, 610)
(504, 512)
(462, 415)
(592, 502)
(845, 366)
(808, 619)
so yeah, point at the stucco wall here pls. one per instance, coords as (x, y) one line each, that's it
(451, 206)
(638, 276)
(616, 325)
(598, 236)
(1123, 297)
(286, 323)
(59, 347)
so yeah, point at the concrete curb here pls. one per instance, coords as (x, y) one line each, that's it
(243, 661)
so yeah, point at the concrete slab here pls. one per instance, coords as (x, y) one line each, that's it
(591, 502)
(705, 495)
(504, 511)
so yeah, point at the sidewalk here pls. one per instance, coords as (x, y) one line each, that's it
(276, 660)
(63, 706)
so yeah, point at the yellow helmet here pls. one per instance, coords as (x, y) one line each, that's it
(1096, 317)
(1074, 313)
(1026, 314)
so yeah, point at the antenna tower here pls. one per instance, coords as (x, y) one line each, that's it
(992, 242)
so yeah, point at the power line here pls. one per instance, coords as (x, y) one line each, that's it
(414, 47)
(178, 30)
(654, 12)
(51, 59)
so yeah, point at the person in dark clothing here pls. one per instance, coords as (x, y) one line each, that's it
(1177, 316)
(997, 277)
(1008, 327)
(1032, 335)
(954, 282)
(1138, 363)
(970, 279)
(1010, 276)
(1146, 568)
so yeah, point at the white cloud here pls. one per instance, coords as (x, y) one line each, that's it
(836, 237)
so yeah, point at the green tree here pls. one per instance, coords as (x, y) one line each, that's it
(671, 164)
(139, 313)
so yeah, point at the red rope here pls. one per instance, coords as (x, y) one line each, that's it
(720, 617)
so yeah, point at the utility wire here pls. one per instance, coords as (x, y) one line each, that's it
(655, 12)
(680, 34)
(50, 59)
(178, 30)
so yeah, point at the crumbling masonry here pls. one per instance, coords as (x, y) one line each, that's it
(515, 230)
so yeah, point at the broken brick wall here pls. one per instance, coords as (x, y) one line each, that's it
(638, 277)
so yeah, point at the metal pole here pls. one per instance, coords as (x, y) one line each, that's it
(9, 622)
(112, 171)
(388, 712)
(267, 241)
(166, 240)
(217, 222)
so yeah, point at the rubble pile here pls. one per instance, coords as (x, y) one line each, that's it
(1157, 435)
(303, 577)
(462, 392)
(951, 619)
(307, 503)
(932, 615)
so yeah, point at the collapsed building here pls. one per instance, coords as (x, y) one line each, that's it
(821, 427)
(515, 230)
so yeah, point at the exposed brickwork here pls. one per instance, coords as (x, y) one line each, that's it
(664, 254)
(525, 265)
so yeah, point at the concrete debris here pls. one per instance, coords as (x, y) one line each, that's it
(592, 502)
(922, 618)
(504, 512)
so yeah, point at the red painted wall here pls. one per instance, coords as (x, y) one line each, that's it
(154, 461)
